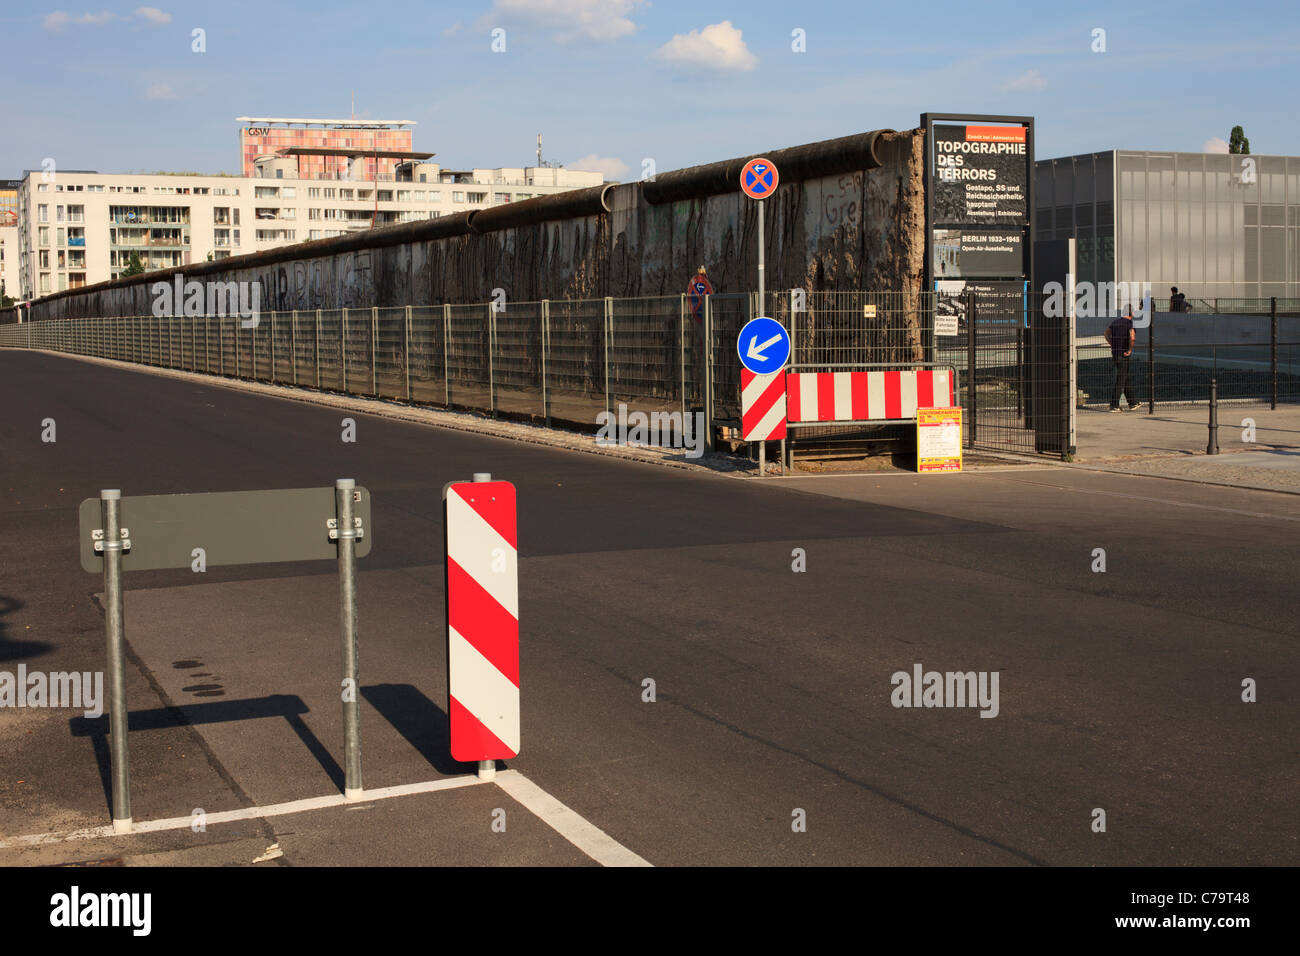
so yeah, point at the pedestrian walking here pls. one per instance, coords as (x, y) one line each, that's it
(1121, 336)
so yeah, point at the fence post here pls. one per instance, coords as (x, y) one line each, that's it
(1067, 366)
(681, 356)
(1272, 351)
(446, 332)
(343, 348)
(374, 335)
(406, 350)
(609, 335)
(708, 373)
(546, 349)
(1151, 355)
(491, 343)
(317, 348)
(110, 500)
(272, 374)
(971, 364)
(1212, 446)
(238, 324)
(293, 343)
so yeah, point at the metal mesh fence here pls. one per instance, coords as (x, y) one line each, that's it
(647, 353)
(569, 360)
(517, 357)
(1252, 357)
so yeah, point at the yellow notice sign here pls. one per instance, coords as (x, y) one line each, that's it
(938, 440)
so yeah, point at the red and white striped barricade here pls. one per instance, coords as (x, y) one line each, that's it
(866, 395)
(762, 405)
(482, 619)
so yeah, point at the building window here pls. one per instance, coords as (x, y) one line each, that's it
(313, 192)
(313, 213)
(345, 193)
(477, 198)
(42, 187)
(403, 195)
(42, 213)
(385, 195)
(43, 236)
(457, 197)
(289, 192)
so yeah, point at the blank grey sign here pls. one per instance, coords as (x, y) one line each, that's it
(232, 527)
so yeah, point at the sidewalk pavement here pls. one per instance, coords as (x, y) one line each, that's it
(1172, 444)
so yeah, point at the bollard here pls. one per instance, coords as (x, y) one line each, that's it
(1212, 447)
(114, 621)
(347, 538)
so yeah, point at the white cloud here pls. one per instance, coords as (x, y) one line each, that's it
(1215, 145)
(56, 21)
(161, 91)
(612, 168)
(452, 30)
(1031, 81)
(719, 46)
(153, 15)
(96, 19)
(599, 20)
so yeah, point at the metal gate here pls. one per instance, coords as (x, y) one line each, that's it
(1015, 357)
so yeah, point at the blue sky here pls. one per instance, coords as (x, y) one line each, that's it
(118, 88)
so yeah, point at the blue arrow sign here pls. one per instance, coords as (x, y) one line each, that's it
(764, 346)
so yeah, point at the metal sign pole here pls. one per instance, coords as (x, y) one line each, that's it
(762, 445)
(114, 620)
(347, 535)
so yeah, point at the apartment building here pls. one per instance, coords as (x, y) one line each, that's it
(9, 259)
(76, 228)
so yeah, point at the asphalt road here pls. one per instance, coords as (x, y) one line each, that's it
(1118, 691)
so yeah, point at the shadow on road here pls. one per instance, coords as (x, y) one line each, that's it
(422, 722)
(10, 649)
(290, 707)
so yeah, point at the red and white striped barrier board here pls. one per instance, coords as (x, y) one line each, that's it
(866, 396)
(482, 620)
(762, 406)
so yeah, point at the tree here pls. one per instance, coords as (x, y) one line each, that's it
(133, 266)
(1237, 142)
(5, 301)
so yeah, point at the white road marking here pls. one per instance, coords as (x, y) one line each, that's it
(591, 840)
(586, 836)
(244, 813)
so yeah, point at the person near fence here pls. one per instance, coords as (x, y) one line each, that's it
(1121, 336)
(1178, 301)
